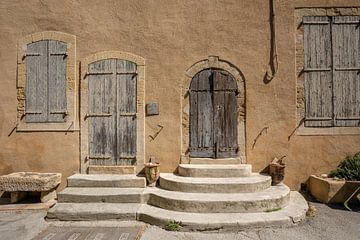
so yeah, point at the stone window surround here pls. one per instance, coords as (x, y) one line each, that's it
(140, 100)
(212, 62)
(71, 123)
(299, 63)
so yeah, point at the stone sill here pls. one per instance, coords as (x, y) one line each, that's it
(311, 131)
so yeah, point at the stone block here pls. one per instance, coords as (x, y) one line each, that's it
(328, 190)
(29, 181)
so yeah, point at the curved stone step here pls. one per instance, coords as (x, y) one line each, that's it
(108, 195)
(291, 214)
(213, 170)
(253, 183)
(93, 211)
(106, 180)
(271, 198)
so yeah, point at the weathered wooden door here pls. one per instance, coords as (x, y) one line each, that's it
(213, 115)
(112, 112)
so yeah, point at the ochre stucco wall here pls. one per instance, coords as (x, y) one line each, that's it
(172, 36)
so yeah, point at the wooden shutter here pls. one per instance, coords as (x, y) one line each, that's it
(102, 112)
(225, 114)
(126, 78)
(346, 58)
(201, 115)
(57, 81)
(36, 82)
(318, 72)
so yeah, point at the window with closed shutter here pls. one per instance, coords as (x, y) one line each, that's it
(332, 71)
(46, 82)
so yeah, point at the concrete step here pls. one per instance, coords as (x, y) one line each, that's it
(271, 198)
(253, 183)
(108, 195)
(106, 180)
(291, 214)
(215, 171)
(93, 211)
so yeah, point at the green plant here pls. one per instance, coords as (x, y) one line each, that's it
(172, 225)
(348, 169)
(272, 209)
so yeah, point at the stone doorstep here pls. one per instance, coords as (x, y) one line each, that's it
(106, 180)
(215, 170)
(273, 197)
(101, 194)
(253, 183)
(290, 215)
(93, 211)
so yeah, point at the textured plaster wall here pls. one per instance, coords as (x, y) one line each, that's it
(171, 36)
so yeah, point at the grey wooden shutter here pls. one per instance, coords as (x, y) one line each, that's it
(318, 72)
(57, 81)
(225, 114)
(346, 58)
(201, 115)
(126, 78)
(102, 112)
(36, 82)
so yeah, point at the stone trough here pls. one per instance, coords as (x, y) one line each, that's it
(21, 183)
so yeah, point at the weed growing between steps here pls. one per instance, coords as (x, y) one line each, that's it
(272, 210)
(172, 225)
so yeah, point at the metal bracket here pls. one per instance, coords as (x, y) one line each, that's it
(97, 115)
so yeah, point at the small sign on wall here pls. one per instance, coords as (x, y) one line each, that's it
(152, 109)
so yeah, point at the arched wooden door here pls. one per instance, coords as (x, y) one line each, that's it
(213, 115)
(112, 112)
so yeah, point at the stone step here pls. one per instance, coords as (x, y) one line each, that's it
(108, 195)
(106, 180)
(291, 214)
(253, 183)
(271, 198)
(215, 171)
(93, 211)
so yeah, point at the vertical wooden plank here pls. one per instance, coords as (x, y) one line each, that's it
(225, 121)
(102, 102)
(193, 97)
(318, 75)
(57, 81)
(346, 35)
(201, 126)
(36, 82)
(126, 112)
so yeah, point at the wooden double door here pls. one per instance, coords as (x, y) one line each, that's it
(213, 115)
(112, 112)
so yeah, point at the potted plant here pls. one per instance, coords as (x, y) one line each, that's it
(277, 170)
(152, 171)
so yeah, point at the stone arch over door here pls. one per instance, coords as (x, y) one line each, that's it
(112, 113)
(213, 62)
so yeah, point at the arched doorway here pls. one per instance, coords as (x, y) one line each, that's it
(213, 114)
(221, 81)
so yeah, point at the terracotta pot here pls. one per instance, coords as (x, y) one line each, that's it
(152, 172)
(277, 173)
